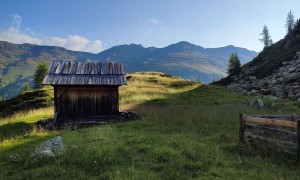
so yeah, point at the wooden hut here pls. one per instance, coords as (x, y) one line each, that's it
(85, 91)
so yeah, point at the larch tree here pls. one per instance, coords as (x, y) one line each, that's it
(266, 38)
(234, 65)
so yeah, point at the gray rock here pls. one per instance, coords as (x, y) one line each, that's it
(265, 91)
(297, 95)
(280, 80)
(252, 78)
(233, 86)
(291, 69)
(271, 97)
(256, 102)
(261, 84)
(50, 148)
(278, 91)
(14, 157)
(285, 62)
(253, 91)
(291, 76)
(290, 94)
(272, 82)
(297, 90)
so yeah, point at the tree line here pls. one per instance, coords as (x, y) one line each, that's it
(289, 25)
(234, 65)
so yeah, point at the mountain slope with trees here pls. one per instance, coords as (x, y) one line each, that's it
(19, 62)
(271, 58)
(274, 72)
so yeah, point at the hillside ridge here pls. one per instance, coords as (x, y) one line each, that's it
(19, 61)
(275, 71)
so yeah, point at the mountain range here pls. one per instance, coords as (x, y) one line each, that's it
(19, 61)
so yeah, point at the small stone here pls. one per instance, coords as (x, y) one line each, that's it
(252, 78)
(285, 62)
(274, 104)
(14, 157)
(253, 91)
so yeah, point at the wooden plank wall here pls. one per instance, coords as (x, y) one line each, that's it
(74, 103)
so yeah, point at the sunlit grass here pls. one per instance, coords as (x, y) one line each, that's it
(30, 116)
(152, 86)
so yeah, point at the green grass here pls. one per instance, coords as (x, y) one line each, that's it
(188, 131)
(29, 100)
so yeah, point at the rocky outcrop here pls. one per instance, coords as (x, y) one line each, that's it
(283, 82)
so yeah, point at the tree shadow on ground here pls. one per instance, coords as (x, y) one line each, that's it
(14, 129)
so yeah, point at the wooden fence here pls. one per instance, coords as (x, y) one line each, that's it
(285, 129)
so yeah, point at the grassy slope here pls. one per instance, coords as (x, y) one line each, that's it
(187, 131)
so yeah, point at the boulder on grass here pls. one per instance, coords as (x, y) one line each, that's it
(256, 102)
(50, 148)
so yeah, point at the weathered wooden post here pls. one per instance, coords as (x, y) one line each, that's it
(298, 142)
(242, 128)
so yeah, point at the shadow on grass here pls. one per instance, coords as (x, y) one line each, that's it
(14, 129)
(204, 94)
(11, 130)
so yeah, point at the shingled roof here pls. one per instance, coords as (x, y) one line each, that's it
(85, 73)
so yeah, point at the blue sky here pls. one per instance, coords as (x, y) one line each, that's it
(96, 25)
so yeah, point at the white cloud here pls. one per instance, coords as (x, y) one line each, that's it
(17, 19)
(57, 41)
(15, 36)
(155, 21)
(72, 42)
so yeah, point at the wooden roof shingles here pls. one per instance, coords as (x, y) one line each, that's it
(85, 73)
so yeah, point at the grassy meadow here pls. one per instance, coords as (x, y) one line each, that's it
(187, 131)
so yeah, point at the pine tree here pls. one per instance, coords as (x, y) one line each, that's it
(266, 38)
(39, 75)
(234, 66)
(290, 22)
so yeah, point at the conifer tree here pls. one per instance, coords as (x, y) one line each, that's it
(39, 75)
(234, 66)
(290, 22)
(27, 88)
(266, 38)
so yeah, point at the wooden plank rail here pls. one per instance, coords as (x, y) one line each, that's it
(269, 125)
(263, 129)
(270, 121)
(285, 144)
